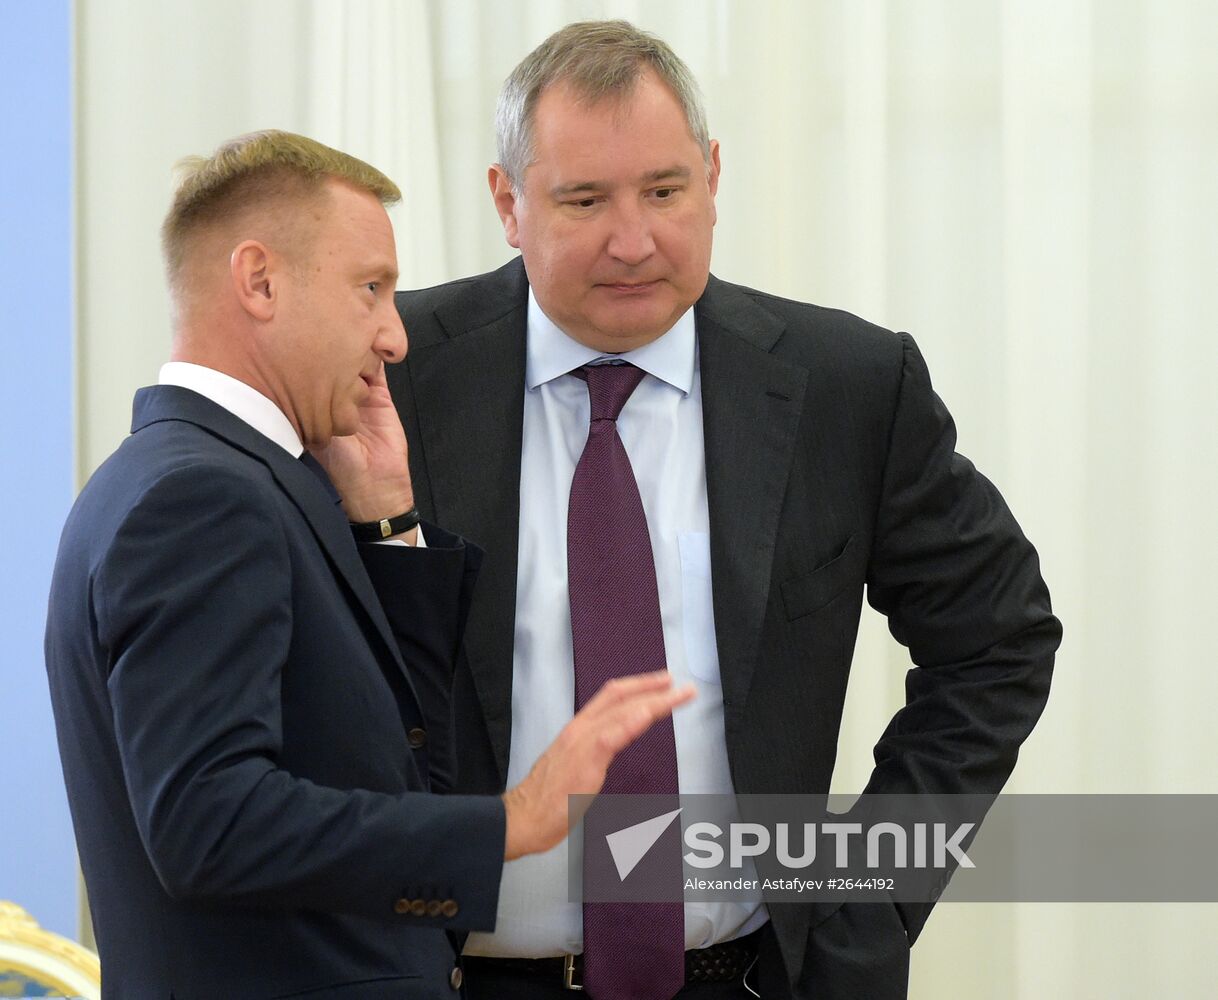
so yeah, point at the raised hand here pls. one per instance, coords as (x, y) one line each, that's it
(370, 468)
(576, 762)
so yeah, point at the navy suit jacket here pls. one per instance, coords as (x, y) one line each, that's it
(252, 711)
(830, 471)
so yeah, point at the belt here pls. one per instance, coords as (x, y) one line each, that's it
(720, 963)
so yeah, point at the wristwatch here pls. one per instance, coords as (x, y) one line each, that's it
(386, 527)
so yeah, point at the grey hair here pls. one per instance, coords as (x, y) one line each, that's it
(597, 59)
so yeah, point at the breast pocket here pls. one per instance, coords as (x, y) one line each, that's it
(698, 621)
(802, 595)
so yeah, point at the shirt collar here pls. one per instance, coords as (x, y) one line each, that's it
(243, 401)
(550, 353)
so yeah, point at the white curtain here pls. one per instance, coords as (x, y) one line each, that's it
(1030, 187)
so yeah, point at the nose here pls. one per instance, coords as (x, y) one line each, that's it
(390, 342)
(630, 239)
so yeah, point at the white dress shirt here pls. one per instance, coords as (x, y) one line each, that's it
(243, 401)
(661, 429)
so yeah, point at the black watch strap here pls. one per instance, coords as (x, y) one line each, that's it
(376, 531)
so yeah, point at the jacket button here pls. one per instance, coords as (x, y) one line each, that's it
(449, 908)
(402, 907)
(418, 908)
(417, 738)
(433, 907)
(455, 979)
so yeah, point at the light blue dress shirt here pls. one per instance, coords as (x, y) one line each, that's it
(661, 429)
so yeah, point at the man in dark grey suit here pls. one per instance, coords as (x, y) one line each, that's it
(250, 657)
(787, 457)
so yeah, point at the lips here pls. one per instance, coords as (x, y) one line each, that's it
(629, 287)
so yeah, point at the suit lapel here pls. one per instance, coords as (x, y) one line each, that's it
(751, 407)
(316, 503)
(471, 448)
(329, 525)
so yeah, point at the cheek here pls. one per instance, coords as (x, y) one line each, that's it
(550, 267)
(568, 247)
(688, 247)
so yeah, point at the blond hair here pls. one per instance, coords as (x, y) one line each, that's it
(261, 170)
(597, 59)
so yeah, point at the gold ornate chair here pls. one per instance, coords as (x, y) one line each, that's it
(37, 963)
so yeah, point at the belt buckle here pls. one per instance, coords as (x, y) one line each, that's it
(568, 974)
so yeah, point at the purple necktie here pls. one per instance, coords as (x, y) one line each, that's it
(632, 951)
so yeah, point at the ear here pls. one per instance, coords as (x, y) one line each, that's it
(712, 177)
(255, 283)
(505, 203)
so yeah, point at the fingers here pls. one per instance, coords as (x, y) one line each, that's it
(632, 715)
(576, 763)
(622, 689)
(626, 707)
(622, 710)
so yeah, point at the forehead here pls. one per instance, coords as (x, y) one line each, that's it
(645, 121)
(348, 206)
(355, 222)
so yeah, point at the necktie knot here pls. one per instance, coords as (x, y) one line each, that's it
(609, 386)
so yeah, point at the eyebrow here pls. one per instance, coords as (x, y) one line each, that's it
(664, 174)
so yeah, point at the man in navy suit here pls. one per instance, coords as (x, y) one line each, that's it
(250, 645)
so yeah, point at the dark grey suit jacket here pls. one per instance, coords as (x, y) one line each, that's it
(831, 470)
(250, 709)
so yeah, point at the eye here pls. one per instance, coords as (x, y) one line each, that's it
(664, 194)
(372, 286)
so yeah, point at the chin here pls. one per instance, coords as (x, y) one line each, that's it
(628, 337)
(638, 326)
